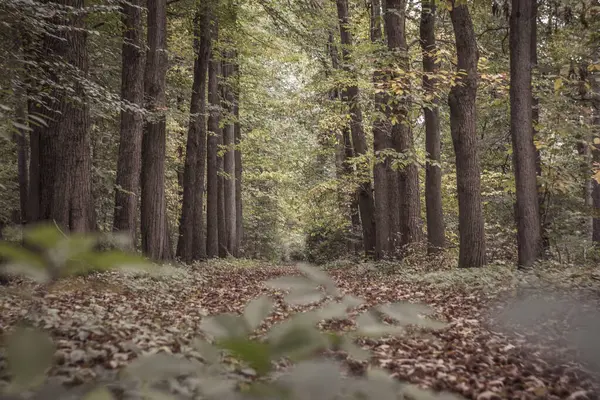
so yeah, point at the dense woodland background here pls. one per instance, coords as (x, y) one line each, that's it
(306, 129)
(390, 140)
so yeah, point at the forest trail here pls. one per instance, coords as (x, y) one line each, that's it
(98, 331)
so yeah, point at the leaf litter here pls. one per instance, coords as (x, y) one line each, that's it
(495, 346)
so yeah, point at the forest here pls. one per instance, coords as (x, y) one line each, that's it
(300, 199)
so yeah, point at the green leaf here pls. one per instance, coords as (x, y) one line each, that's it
(18, 254)
(256, 354)
(45, 236)
(37, 120)
(29, 353)
(21, 126)
(316, 275)
(290, 283)
(209, 353)
(296, 338)
(332, 310)
(304, 297)
(353, 350)
(257, 310)
(113, 259)
(159, 366)
(36, 274)
(368, 325)
(314, 379)
(224, 326)
(352, 301)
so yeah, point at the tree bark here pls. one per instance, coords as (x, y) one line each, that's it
(192, 243)
(594, 78)
(529, 238)
(237, 133)
(355, 225)
(464, 138)
(229, 156)
(343, 169)
(20, 139)
(129, 162)
(535, 105)
(382, 173)
(62, 168)
(155, 240)
(214, 132)
(34, 192)
(350, 95)
(402, 138)
(436, 236)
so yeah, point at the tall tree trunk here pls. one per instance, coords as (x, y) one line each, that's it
(237, 133)
(382, 173)
(529, 238)
(22, 156)
(343, 152)
(350, 95)
(229, 156)
(214, 132)
(129, 162)
(594, 78)
(221, 222)
(535, 105)
(436, 236)
(402, 139)
(20, 139)
(464, 138)
(192, 244)
(354, 245)
(62, 148)
(34, 192)
(155, 240)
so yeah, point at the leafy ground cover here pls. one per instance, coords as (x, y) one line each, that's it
(503, 339)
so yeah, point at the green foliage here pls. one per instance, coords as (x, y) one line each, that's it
(325, 245)
(48, 254)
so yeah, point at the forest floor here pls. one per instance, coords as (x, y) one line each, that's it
(525, 341)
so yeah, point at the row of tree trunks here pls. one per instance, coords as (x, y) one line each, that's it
(192, 242)
(350, 96)
(55, 185)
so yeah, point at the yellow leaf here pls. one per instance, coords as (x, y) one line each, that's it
(558, 84)
(596, 176)
(594, 67)
(596, 140)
